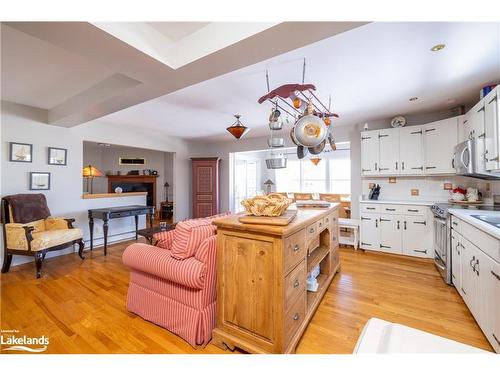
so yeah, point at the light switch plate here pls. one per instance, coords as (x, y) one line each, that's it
(392, 180)
(414, 192)
(448, 186)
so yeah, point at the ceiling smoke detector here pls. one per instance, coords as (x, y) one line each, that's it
(438, 47)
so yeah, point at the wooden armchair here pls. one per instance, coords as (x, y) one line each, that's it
(29, 230)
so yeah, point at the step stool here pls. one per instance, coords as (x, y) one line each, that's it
(353, 226)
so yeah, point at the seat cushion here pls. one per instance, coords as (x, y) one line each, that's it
(51, 238)
(53, 223)
(188, 235)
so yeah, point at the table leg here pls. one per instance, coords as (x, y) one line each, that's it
(91, 227)
(136, 226)
(105, 230)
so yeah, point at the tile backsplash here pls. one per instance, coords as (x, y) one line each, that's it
(429, 188)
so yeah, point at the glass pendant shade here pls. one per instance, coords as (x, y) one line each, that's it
(315, 161)
(238, 130)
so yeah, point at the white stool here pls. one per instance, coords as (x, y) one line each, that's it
(353, 237)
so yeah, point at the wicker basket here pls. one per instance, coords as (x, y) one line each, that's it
(270, 205)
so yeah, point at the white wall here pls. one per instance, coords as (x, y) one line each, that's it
(26, 124)
(106, 159)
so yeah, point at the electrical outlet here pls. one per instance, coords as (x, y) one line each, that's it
(448, 186)
(392, 180)
(414, 192)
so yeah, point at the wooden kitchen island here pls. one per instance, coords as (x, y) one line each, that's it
(263, 305)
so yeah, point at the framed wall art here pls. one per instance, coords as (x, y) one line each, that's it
(20, 152)
(39, 181)
(57, 156)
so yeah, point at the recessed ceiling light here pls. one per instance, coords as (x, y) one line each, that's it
(413, 98)
(438, 47)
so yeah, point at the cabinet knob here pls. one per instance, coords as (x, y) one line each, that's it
(311, 230)
(296, 284)
(296, 316)
(296, 247)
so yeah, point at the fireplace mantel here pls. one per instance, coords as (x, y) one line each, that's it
(133, 179)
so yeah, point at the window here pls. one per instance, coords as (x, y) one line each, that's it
(331, 175)
(245, 181)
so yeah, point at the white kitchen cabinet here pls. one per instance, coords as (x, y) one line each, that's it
(456, 272)
(470, 281)
(369, 153)
(488, 274)
(388, 152)
(415, 237)
(390, 234)
(440, 139)
(369, 231)
(491, 130)
(411, 150)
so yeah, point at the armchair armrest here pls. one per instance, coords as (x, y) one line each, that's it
(156, 261)
(19, 236)
(55, 223)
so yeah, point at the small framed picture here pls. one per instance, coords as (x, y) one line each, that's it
(20, 152)
(57, 156)
(39, 181)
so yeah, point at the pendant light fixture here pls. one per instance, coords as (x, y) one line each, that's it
(238, 130)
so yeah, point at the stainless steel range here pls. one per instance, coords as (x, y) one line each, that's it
(442, 234)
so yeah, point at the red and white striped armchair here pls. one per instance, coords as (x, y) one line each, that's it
(172, 284)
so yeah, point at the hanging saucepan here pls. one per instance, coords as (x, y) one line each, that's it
(310, 131)
(302, 152)
(292, 136)
(318, 149)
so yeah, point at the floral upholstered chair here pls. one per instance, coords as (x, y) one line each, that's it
(29, 230)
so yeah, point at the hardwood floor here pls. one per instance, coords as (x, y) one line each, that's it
(80, 305)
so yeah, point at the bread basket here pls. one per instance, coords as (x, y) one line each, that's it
(271, 205)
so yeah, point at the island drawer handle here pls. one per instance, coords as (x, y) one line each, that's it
(296, 284)
(296, 247)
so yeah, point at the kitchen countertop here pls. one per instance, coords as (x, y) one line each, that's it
(409, 202)
(466, 215)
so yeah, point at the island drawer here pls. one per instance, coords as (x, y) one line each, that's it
(294, 249)
(295, 284)
(294, 317)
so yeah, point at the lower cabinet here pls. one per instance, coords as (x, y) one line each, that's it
(476, 276)
(408, 231)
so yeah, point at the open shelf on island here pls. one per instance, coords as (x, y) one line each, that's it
(313, 298)
(316, 256)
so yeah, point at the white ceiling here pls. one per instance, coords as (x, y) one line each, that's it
(78, 71)
(370, 71)
(33, 75)
(175, 31)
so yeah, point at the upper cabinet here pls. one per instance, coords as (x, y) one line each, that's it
(369, 153)
(388, 151)
(491, 130)
(440, 139)
(413, 150)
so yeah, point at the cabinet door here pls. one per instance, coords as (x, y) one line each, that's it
(389, 151)
(369, 153)
(476, 118)
(470, 282)
(390, 234)
(414, 237)
(370, 231)
(456, 272)
(411, 150)
(488, 273)
(440, 139)
(491, 130)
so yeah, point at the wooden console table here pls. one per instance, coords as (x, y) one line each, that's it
(263, 305)
(106, 214)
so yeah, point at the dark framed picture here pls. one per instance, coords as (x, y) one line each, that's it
(39, 181)
(57, 156)
(20, 152)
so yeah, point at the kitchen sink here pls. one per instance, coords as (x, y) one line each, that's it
(490, 219)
